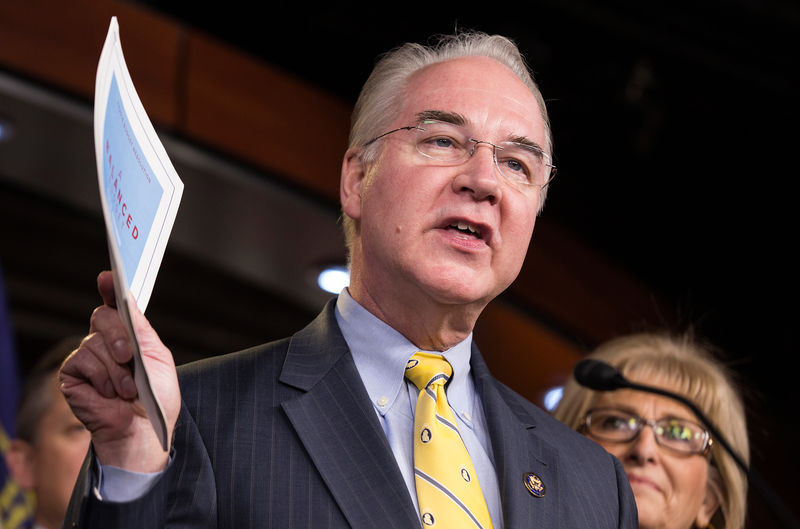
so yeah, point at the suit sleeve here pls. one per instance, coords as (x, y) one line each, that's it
(184, 495)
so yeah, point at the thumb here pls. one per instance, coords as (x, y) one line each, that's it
(150, 344)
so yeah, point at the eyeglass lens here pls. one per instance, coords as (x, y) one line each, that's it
(617, 425)
(451, 144)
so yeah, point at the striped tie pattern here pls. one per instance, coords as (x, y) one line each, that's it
(447, 485)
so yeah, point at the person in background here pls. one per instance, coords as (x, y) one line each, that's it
(51, 443)
(681, 479)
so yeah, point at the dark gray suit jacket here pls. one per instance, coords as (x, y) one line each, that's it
(284, 435)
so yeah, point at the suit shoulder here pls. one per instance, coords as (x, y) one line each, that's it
(262, 361)
(548, 428)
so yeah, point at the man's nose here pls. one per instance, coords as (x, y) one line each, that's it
(479, 175)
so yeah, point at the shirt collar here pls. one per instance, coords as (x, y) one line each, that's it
(380, 354)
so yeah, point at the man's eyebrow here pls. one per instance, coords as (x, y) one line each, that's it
(527, 142)
(454, 118)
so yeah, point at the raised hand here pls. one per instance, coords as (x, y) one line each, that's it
(97, 381)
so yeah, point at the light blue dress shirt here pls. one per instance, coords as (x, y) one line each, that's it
(380, 354)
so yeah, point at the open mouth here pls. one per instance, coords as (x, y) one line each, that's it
(466, 229)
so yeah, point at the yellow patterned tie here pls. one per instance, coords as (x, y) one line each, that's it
(447, 485)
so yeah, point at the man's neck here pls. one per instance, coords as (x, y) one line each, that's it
(429, 325)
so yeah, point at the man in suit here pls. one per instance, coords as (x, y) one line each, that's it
(449, 159)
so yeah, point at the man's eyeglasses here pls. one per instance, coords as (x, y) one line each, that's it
(680, 435)
(447, 144)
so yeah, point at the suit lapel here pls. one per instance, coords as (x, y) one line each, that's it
(517, 451)
(340, 430)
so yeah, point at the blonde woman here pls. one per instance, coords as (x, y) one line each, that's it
(681, 479)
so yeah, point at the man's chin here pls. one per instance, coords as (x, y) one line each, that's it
(463, 291)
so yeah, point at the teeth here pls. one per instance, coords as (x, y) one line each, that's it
(463, 226)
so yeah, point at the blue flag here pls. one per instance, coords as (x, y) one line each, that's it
(16, 507)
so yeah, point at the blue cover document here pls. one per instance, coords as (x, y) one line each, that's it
(140, 193)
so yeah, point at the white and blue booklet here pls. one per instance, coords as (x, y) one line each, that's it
(140, 192)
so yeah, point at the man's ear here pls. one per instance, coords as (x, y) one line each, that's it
(352, 180)
(20, 462)
(711, 500)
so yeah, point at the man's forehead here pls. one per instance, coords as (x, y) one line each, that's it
(478, 92)
(478, 74)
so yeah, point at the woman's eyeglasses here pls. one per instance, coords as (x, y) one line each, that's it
(680, 435)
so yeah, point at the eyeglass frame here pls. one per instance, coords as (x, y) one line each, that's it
(495, 147)
(708, 441)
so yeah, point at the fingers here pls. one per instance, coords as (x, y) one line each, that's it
(106, 321)
(105, 285)
(93, 363)
(103, 358)
(100, 392)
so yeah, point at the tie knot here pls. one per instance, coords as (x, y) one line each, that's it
(425, 369)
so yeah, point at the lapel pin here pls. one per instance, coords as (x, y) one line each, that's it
(534, 484)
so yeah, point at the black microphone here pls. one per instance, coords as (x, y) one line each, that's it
(600, 376)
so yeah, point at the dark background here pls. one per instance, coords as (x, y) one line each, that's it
(674, 123)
